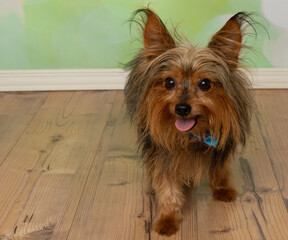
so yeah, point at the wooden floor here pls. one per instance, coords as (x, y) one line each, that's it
(68, 170)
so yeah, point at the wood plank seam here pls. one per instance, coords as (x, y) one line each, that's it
(269, 156)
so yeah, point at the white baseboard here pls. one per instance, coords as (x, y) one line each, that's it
(269, 78)
(106, 79)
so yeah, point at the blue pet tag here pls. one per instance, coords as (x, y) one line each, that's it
(207, 140)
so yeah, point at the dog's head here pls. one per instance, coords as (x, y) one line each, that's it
(176, 89)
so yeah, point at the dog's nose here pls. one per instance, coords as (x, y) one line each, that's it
(182, 109)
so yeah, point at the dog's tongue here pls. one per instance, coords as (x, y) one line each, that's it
(184, 124)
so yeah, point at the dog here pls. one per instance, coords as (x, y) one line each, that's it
(192, 107)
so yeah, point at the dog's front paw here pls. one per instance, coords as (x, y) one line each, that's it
(166, 226)
(225, 194)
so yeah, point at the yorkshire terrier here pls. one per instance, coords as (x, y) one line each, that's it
(192, 108)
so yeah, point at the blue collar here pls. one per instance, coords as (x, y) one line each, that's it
(207, 140)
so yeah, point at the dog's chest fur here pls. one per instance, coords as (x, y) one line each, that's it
(191, 165)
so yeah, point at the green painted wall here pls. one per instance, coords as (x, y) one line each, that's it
(54, 34)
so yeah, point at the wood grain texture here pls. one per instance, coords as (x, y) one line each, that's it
(49, 163)
(69, 170)
(273, 122)
(16, 112)
(113, 186)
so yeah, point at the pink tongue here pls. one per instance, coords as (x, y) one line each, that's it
(184, 124)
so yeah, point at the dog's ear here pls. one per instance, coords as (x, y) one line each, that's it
(157, 39)
(227, 42)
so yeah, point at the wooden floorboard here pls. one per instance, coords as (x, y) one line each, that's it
(16, 112)
(69, 170)
(273, 122)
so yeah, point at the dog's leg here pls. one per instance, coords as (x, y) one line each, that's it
(169, 202)
(219, 175)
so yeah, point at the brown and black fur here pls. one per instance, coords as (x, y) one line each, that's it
(172, 159)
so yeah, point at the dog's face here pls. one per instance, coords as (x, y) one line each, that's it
(187, 89)
(188, 96)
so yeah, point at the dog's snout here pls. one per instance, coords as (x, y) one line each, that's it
(182, 109)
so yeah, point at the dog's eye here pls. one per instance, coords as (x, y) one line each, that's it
(204, 84)
(169, 83)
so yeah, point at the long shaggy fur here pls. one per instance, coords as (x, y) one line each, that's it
(171, 157)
